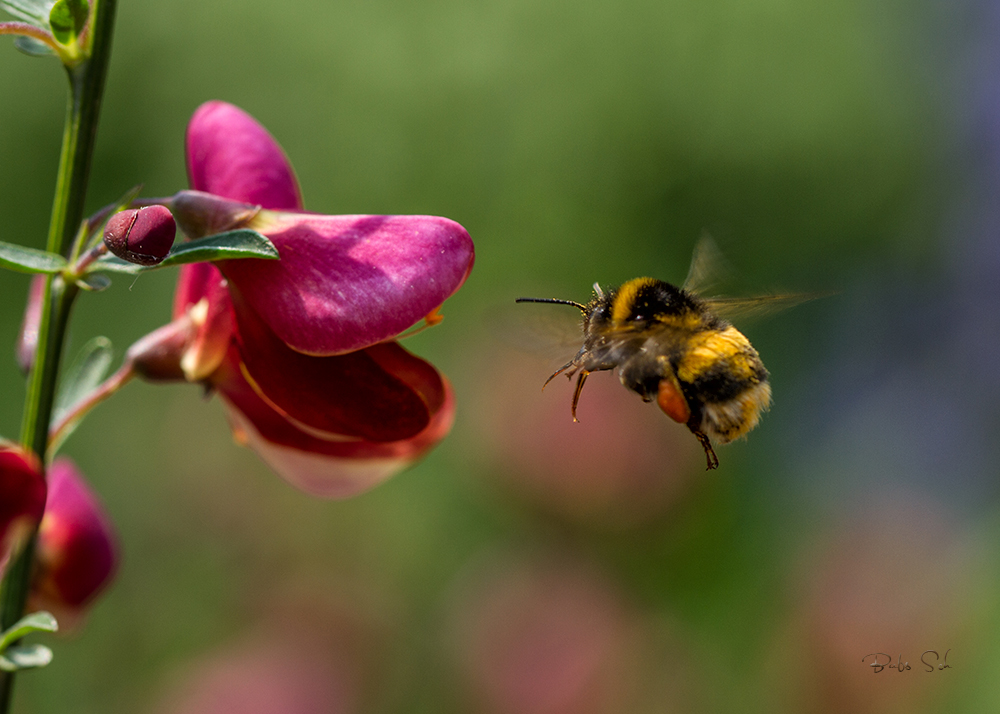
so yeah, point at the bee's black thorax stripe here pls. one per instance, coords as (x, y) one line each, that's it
(644, 300)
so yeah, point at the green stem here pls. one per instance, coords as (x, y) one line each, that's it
(86, 88)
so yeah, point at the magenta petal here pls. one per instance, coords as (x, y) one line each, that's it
(77, 550)
(22, 494)
(231, 155)
(214, 327)
(351, 395)
(196, 281)
(347, 282)
(321, 467)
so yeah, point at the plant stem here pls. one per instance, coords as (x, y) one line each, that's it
(86, 88)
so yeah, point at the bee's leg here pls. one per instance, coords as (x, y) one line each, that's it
(560, 371)
(713, 460)
(670, 399)
(579, 388)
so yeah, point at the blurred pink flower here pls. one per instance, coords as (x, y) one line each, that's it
(76, 553)
(892, 577)
(301, 349)
(22, 496)
(311, 650)
(547, 635)
(267, 675)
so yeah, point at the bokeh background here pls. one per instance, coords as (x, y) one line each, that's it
(530, 565)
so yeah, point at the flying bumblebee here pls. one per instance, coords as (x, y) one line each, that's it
(675, 346)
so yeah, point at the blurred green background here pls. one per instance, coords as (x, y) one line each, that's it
(531, 565)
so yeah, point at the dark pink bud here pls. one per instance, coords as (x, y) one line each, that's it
(22, 496)
(141, 235)
(77, 553)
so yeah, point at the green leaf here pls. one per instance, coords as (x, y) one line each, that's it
(35, 622)
(232, 245)
(29, 260)
(32, 47)
(25, 657)
(87, 371)
(67, 18)
(35, 12)
(17, 656)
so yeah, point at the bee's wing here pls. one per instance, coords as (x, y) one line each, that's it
(730, 308)
(708, 268)
(553, 332)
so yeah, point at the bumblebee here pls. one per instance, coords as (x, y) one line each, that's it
(675, 346)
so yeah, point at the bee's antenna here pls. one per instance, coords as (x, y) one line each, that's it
(556, 301)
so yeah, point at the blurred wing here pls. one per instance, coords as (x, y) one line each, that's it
(754, 307)
(554, 332)
(707, 267)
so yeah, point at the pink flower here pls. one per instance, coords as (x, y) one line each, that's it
(300, 349)
(22, 497)
(76, 553)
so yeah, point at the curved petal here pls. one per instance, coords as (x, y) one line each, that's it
(347, 282)
(351, 395)
(77, 549)
(22, 495)
(201, 294)
(231, 155)
(196, 281)
(322, 467)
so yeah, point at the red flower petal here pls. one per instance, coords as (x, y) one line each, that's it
(231, 155)
(22, 494)
(328, 468)
(77, 553)
(351, 395)
(346, 282)
(213, 328)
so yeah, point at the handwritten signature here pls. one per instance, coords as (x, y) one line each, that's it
(878, 664)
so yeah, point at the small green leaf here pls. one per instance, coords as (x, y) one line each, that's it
(35, 622)
(29, 260)
(94, 282)
(25, 657)
(67, 18)
(87, 371)
(32, 47)
(232, 245)
(35, 12)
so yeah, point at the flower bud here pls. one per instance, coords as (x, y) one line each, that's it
(76, 552)
(201, 214)
(141, 235)
(22, 496)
